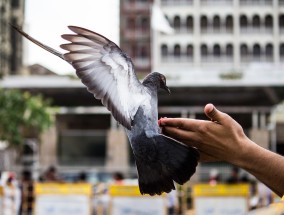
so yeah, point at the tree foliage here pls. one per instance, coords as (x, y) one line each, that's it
(22, 115)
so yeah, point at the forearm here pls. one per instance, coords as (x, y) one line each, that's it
(266, 166)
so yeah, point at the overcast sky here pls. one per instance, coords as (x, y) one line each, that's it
(48, 20)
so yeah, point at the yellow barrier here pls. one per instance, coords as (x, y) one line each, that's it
(221, 190)
(126, 190)
(63, 189)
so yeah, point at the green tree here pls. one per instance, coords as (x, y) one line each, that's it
(23, 115)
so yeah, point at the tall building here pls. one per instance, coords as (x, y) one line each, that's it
(11, 54)
(228, 35)
(135, 32)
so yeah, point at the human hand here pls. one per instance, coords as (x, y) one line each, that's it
(221, 139)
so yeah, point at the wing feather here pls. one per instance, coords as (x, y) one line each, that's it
(107, 72)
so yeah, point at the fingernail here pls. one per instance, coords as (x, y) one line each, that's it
(161, 122)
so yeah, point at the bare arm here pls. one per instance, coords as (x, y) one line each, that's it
(223, 139)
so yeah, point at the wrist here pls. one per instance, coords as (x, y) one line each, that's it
(243, 157)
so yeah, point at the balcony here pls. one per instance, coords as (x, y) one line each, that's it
(176, 2)
(177, 59)
(216, 59)
(256, 2)
(256, 59)
(183, 30)
(216, 2)
(136, 6)
(211, 30)
(137, 34)
(251, 30)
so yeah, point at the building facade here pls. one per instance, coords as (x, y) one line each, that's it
(135, 32)
(227, 34)
(11, 55)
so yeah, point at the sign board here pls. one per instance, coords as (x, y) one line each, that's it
(221, 199)
(65, 198)
(127, 200)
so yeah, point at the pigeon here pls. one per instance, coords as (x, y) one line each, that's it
(108, 73)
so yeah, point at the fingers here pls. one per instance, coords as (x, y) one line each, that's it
(215, 115)
(186, 137)
(182, 123)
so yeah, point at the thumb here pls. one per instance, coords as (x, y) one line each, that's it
(213, 114)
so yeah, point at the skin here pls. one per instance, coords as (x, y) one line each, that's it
(223, 139)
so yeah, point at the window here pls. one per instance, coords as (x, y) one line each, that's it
(281, 50)
(164, 50)
(281, 21)
(142, 52)
(243, 21)
(204, 50)
(189, 51)
(131, 23)
(268, 21)
(216, 50)
(204, 23)
(216, 23)
(82, 147)
(144, 24)
(269, 50)
(256, 51)
(256, 21)
(229, 23)
(229, 50)
(15, 3)
(177, 50)
(189, 23)
(244, 50)
(177, 23)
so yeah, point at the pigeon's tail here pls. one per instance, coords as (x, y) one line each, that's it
(40, 44)
(173, 161)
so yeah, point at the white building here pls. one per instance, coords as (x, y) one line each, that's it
(223, 35)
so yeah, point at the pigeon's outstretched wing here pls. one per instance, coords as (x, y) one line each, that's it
(107, 72)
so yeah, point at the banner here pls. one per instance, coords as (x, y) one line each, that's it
(221, 199)
(127, 200)
(65, 198)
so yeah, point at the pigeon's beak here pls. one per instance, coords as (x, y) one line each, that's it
(167, 89)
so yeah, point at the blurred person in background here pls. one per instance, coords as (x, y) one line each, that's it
(82, 178)
(12, 194)
(51, 175)
(234, 177)
(214, 177)
(118, 178)
(172, 202)
(27, 193)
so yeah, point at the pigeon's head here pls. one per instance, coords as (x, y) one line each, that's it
(156, 80)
